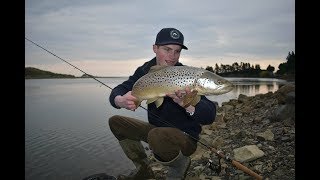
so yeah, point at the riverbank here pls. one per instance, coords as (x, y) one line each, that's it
(289, 78)
(258, 132)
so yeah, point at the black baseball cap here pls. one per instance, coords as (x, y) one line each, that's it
(170, 36)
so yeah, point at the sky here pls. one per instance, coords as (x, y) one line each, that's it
(113, 38)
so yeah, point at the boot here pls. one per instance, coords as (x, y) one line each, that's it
(135, 151)
(177, 168)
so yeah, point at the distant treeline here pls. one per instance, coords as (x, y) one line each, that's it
(34, 73)
(286, 69)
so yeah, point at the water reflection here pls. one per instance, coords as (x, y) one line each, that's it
(66, 131)
(249, 87)
(251, 90)
(270, 87)
(256, 88)
(253, 86)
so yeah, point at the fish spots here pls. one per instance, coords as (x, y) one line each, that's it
(204, 81)
(165, 80)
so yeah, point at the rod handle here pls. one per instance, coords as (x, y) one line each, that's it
(246, 170)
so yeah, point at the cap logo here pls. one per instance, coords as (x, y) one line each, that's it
(174, 34)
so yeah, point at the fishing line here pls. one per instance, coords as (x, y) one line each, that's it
(163, 121)
(218, 152)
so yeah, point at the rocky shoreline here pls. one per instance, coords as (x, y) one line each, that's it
(257, 131)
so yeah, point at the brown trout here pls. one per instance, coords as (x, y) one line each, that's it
(162, 80)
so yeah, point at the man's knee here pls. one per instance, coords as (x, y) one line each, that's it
(114, 117)
(154, 134)
(115, 126)
(113, 120)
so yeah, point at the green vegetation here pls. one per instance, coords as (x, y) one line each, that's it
(86, 76)
(286, 70)
(34, 73)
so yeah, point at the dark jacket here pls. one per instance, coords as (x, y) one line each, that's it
(170, 111)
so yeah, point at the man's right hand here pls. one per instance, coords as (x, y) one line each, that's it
(126, 101)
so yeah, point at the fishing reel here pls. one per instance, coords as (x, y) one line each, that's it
(215, 165)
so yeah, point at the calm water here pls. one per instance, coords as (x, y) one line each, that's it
(67, 136)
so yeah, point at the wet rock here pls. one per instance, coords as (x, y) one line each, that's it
(247, 153)
(266, 135)
(265, 122)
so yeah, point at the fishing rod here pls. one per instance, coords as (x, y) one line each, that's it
(92, 77)
(218, 152)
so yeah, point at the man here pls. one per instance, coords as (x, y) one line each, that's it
(170, 145)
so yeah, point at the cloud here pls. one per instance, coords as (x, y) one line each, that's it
(122, 32)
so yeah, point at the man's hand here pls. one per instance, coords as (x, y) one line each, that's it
(184, 98)
(126, 101)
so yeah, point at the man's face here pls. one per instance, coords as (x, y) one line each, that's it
(167, 54)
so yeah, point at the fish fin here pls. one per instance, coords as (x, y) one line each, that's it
(137, 103)
(151, 100)
(158, 102)
(188, 99)
(157, 68)
(195, 100)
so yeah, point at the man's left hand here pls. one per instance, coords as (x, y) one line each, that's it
(184, 97)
